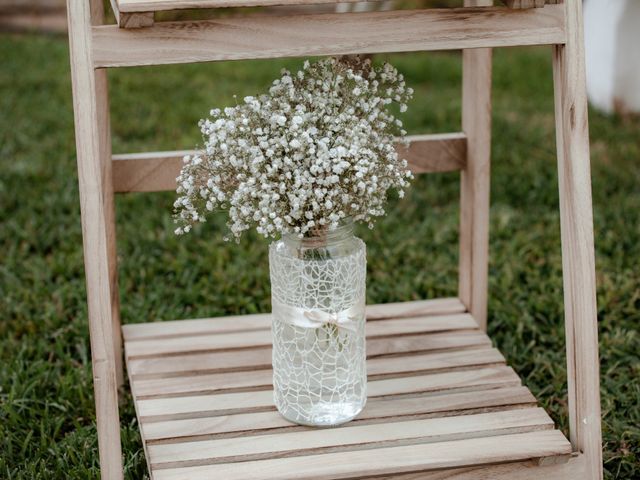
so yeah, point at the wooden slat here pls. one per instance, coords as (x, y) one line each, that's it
(444, 152)
(147, 172)
(524, 3)
(257, 338)
(497, 449)
(226, 403)
(457, 339)
(187, 328)
(376, 411)
(157, 171)
(164, 5)
(261, 379)
(572, 469)
(199, 362)
(160, 5)
(235, 38)
(241, 323)
(135, 20)
(349, 437)
(131, 19)
(416, 308)
(260, 358)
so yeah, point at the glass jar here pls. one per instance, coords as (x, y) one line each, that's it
(318, 328)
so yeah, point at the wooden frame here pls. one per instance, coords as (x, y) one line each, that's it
(475, 179)
(157, 171)
(325, 34)
(90, 104)
(476, 29)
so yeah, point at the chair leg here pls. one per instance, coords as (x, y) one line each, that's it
(475, 179)
(96, 191)
(578, 259)
(104, 129)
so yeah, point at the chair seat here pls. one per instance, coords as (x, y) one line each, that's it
(439, 396)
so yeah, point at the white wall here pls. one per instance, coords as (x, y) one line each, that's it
(612, 40)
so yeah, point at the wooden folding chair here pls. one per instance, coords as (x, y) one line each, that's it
(442, 402)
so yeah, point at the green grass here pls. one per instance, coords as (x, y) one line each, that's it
(46, 402)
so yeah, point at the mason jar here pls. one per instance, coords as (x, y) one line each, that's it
(318, 327)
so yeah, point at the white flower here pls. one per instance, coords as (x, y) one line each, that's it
(318, 147)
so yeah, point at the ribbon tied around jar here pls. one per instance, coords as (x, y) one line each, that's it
(314, 318)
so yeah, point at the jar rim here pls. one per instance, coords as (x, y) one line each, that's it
(320, 236)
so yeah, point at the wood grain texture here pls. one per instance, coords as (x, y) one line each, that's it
(215, 418)
(571, 469)
(261, 338)
(260, 357)
(524, 3)
(348, 438)
(415, 308)
(192, 327)
(164, 5)
(262, 379)
(135, 20)
(262, 321)
(377, 410)
(108, 202)
(444, 152)
(131, 19)
(578, 258)
(232, 38)
(157, 171)
(204, 405)
(160, 5)
(102, 108)
(475, 180)
(342, 465)
(96, 198)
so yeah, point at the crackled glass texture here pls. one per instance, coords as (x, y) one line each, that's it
(318, 328)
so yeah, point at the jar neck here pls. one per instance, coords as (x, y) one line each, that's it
(321, 237)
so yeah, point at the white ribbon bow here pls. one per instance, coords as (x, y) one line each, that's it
(301, 317)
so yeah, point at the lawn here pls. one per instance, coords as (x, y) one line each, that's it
(47, 426)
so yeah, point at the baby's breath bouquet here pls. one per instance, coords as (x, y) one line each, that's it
(303, 162)
(314, 150)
